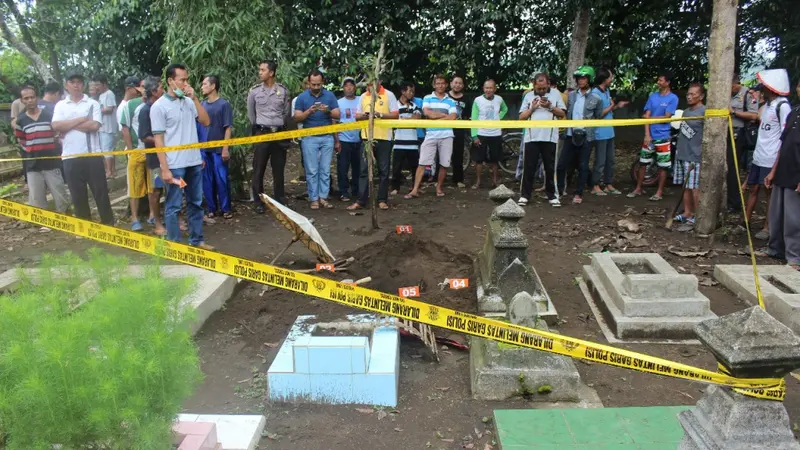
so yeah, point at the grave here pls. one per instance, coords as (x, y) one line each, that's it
(639, 295)
(232, 432)
(359, 365)
(211, 289)
(780, 289)
(651, 428)
(502, 265)
(748, 344)
(510, 290)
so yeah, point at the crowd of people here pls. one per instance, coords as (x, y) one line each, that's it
(149, 116)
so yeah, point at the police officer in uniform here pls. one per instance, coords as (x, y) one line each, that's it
(268, 106)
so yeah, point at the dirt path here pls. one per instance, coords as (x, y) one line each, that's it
(435, 409)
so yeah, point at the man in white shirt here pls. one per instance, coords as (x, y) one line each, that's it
(78, 119)
(540, 104)
(774, 86)
(108, 129)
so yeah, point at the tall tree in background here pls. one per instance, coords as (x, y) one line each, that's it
(23, 41)
(577, 48)
(715, 135)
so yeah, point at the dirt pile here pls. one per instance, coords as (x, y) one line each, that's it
(406, 260)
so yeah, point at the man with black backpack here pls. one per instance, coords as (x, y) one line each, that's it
(774, 86)
(744, 114)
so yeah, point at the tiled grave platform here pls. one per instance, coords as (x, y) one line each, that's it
(651, 428)
(233, 432)
(211, 289)
(640, 296)
(338, 369)
(780, 289)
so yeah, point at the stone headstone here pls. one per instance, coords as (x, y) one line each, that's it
(501, 194)
(523, 310)
(753, 344)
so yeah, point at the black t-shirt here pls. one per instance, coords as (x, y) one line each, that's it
(463, 111)
(787, 174)
(146, 130)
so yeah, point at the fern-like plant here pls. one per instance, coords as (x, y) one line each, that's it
(98, 365)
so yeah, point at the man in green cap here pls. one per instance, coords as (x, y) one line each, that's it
(576, 147)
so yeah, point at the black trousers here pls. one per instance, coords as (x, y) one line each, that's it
(262, 152)
(457, 160)
(90, 172)
(547, 150)
(404, 159)
(734, 202)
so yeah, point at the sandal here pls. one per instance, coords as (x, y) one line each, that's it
(344, 198)
(227, 215)
(210, 215)
(315, 205)
(474, 186)
(440, 194)
(354, 206)
(655, 198)
(600, 193)
(383, 205)
(577, 200)
(634, 194)
(325, 204)
(613, 191)
(409, 196)
(679, 218)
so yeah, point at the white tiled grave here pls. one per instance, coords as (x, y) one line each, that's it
(338, 369)
(210, 291)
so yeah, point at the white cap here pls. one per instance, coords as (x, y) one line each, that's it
(776, 80)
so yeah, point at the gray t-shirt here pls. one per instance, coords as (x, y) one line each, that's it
(176, 119)
(690, 139)
(107, 99)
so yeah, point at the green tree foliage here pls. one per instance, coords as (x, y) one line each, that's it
(99, 365)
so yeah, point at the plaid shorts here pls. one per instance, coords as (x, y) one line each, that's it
(658, 148)
(681, 168)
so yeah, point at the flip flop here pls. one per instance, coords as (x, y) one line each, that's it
(634, 194)
(599, 193)
(227, 215)
(383, 205)
(655, 198)
(354, 206)
(410, 196)
(314, 205)
(613, 191)
(440, 194)
(577, 200)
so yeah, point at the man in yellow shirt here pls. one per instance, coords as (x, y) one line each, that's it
(386, 107)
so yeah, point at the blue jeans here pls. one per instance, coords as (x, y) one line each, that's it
(349, 160)
(317, 156)
(215, 183)
(193, 176)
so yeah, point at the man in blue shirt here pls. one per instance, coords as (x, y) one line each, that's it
(348, 143)
(215, 173)
(661, 104)
(317, 107)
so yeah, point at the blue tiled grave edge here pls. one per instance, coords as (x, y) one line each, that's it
(337, 369)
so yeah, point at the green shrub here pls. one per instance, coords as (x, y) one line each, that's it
(111, 373)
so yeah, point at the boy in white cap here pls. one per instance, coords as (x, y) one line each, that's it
(774, 86)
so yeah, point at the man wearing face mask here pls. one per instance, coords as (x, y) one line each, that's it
(173, 119)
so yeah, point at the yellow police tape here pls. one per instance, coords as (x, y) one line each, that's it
(392, 305)
(394, 123)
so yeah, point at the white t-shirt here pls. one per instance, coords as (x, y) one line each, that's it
(77, 142)
(122, 106)
(769, 132)
(107, 99)
(176, 118)
(486, 109)
(542, 134)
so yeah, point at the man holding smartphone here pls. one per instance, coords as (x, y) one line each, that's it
(317, 107)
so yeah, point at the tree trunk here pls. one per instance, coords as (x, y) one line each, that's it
(721, 48)
(36, 59)
(577, 49)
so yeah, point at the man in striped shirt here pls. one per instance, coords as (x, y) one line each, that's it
(36, 136)
(436, 106)
(406, 141)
